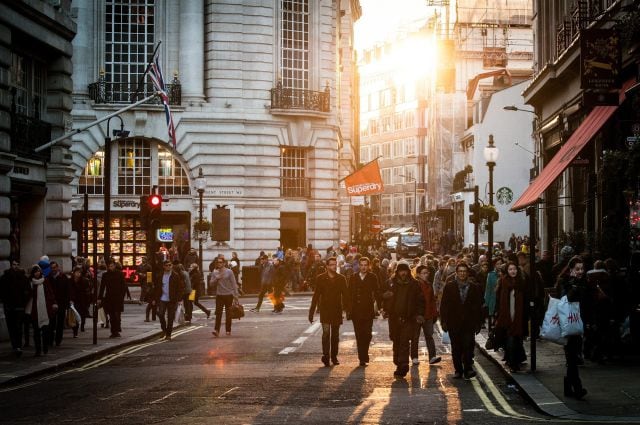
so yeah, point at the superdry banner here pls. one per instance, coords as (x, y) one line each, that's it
(365, 181)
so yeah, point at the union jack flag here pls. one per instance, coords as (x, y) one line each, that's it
(155, 73)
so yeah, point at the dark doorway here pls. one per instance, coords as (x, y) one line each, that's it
(293, 230)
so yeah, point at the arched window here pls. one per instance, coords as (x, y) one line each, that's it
(141, 164)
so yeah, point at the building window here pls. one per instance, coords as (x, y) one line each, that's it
(172, 179)
(364, 154)
(409, 203)
(92, 179)
(129, 43)
(134, 167)
(386, 150)
(398, 204)
(397, 173)
(410, 173)
(410, 146)
(385, 206)
(398, 148)
(27, 80)
(293, 170)
(294, 66)
(385, 173)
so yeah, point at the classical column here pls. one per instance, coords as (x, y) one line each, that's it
(6, 159)
(59, 170)
(192, 51)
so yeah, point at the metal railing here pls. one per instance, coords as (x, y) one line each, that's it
(295, 187)
(106, 92)
(298, 99)
(27, 133)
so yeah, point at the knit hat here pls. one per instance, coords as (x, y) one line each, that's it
(566, 251)
(403, 266)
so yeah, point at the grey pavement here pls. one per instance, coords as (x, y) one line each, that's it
(614, 387)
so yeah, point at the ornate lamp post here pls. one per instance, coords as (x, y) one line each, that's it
(491, 156)
(201, 184)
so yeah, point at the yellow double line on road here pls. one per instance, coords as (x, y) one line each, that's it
(101, 361)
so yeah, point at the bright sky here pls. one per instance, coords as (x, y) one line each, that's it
(381, 18)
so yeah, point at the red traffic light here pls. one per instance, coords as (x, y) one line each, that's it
(155, 200)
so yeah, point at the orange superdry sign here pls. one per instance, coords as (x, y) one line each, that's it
(365, 181)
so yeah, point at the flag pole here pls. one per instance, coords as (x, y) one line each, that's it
(141, 80)
(98, 121)
(375, 159)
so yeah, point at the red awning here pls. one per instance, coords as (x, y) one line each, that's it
(585, 132)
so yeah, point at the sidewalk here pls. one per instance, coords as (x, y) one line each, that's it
(134, 329)
(614, 387)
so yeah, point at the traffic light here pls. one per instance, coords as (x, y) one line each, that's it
(154, 203)
(474, 213)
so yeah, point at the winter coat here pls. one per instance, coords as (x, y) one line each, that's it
(80, 294)
(176, 287)
(112, 291)
(197, 282)
(518, 326)
(457, 316)
(430, 309)
(362, 295)
(332, 296)
(414, 300)
(14, 289)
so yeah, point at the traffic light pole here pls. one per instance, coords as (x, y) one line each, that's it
(476, 202)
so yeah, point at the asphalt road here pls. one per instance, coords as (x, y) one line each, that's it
(267, 372)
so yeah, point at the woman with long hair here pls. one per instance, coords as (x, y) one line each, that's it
(572, 282)
(512, 314)
(40, 308)
(80, 296)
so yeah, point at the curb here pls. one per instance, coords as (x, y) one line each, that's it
(42, 369)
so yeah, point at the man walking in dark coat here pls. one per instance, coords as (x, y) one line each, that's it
(61, 285)
(363, 292)
(331, 294)
(14, 293)
(404, 304)
(111, 297)
(461, 316)
(168, 292)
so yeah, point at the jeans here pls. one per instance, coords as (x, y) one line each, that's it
(263, 291)
(40, 337)
(167, 308)
(223, 301)
(188, 308)
(362, 329)
(330, 340)
(572, 353)
(56, 326)
(115, 320)
(427, 328)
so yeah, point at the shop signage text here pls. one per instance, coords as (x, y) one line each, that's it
(125, 203)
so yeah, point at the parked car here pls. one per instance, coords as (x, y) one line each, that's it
(391, 243)
(409, 245)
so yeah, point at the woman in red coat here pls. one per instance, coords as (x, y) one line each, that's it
(512, 314)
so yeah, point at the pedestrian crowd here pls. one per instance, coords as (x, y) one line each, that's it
(465, 295)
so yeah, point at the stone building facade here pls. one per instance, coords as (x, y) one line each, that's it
(261, 100)
(35, 106)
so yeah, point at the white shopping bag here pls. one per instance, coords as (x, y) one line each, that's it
(550, 329)
(445, 338)
(179, 318)
(570, 320)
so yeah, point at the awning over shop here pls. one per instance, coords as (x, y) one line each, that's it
(583, 134)
(389, 230)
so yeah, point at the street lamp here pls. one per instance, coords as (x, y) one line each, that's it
(107, 212)
(415, 198)
(491, 156)
(201, 184)
(515, 108)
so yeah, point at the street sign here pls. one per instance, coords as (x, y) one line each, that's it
(376, 226)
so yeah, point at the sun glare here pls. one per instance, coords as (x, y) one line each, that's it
(416, 58)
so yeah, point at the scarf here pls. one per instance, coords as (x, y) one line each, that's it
(41, 302)
(511, 311)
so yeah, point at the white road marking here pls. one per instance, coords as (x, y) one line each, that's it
(163, 398)
(227, 392)
(300, 340)
(288, 350)
(314, 327)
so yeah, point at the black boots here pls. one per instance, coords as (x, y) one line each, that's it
(576, 390)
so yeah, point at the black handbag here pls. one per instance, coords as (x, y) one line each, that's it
(237, 310)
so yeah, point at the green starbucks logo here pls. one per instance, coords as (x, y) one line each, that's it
(504, 195)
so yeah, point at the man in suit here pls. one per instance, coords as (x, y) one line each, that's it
(331, 294)
(461, 316)
(363, 292)
(111, 296)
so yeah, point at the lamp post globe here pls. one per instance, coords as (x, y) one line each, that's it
(491, 153)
